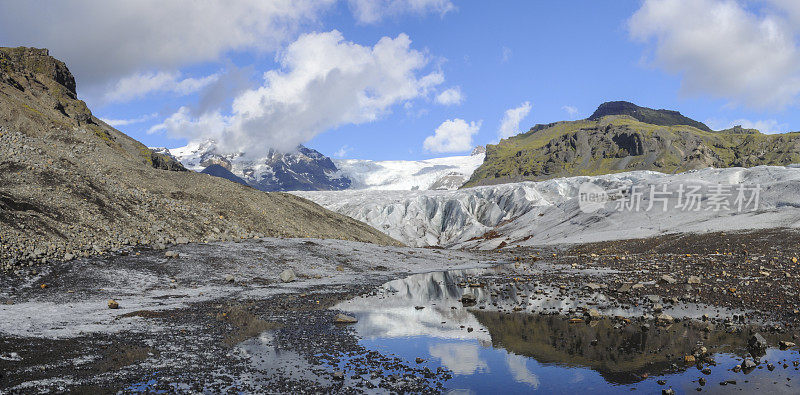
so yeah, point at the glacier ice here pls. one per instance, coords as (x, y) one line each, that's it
(548, 212)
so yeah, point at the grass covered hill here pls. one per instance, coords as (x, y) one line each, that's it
(620, 137)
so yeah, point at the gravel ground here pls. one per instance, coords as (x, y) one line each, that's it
(217, 317)
(202, 320)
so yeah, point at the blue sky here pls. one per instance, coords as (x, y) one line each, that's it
(553, 60)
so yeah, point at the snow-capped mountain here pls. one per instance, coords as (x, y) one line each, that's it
(447, 173)
(308, 170)
(546, 212)
(302, 170)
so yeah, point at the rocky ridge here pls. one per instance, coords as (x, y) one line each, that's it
(72, 186)
(622, 137)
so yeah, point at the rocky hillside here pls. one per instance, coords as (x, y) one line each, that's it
(646, 115)
(304, 169)
(72, 186)
(620, 137)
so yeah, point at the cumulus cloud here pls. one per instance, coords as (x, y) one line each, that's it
(764, 125)
(453, 135)
(373, 11)
(570, 110)
(103, 41)
(509, 125)
(138, 85)
(724, 49)
(452, 96)
(324, 82)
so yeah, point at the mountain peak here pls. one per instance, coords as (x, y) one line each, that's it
(36, 60)
(647, 115)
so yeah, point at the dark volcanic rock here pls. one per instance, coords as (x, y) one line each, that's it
(646, 115)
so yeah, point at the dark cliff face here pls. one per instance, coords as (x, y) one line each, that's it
(646, 115)
(25, 60)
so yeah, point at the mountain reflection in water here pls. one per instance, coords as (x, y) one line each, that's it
(512, 337)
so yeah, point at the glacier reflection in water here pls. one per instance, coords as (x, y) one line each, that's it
(513, 338)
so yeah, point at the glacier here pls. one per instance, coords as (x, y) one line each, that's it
(549, 212)
(446, 173)
(308, 170)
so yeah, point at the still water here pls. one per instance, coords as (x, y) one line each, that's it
(525, 337)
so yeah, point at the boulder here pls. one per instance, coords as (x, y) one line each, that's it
(345, 319)
(288, 276)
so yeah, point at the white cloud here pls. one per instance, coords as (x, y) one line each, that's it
(124, 122)
(506, 54)
(325, 82)
(452, 136)
(509, 126)
(343, 151)
(461, 358)
(723, 49)
(102, 41)
(452, 96)
(518, 367)
(764, 125)
(570, 110)
(138, 85)
(373, 11)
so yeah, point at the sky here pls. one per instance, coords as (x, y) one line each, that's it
(411, 79)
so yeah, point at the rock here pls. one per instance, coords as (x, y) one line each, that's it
(112, 304)
(667, 279)
(345, 319)
(653, 298)
(420, 360)
(593, 286)
(625, 288)
(701, 381)
(593, 314)
(785, 344)
(665, 318)
(68, 257)
(338, 375)
(468, 299)
(419, 307)
(182, 240)
(288, 276)
(229, 278)
(694, 280)
(171, 254)
(658, 308)
(757, 342)
(668, 391)
(748, 364)
(637, 286)
(689, 359)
